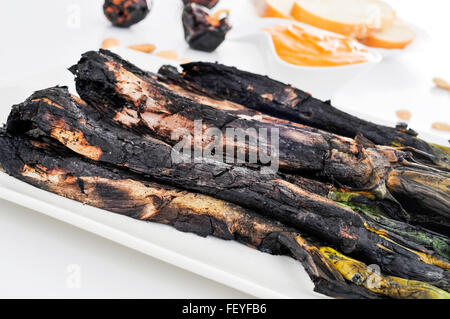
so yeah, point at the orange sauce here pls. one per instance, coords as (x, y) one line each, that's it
(295, 45)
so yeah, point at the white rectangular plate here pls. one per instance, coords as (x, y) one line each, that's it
(227, 262)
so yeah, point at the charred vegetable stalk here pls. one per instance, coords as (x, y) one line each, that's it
(55, 116)
(397, 230)
(287, 102)
(125, 13)
(135, 100)
(127, 194)
(203, 32)
(394, 287)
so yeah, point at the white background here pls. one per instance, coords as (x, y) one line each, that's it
(34, 37)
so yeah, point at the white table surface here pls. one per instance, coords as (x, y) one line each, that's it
(39, 253)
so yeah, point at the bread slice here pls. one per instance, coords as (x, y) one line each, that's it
(397, 36)
(355, 18)
(275, 8)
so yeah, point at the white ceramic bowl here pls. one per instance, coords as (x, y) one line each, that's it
(322, 82)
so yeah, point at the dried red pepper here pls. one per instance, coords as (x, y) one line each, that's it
(202, 31)
(125, 13)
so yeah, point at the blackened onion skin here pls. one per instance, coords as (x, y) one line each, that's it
(201, 31)
(125, 13)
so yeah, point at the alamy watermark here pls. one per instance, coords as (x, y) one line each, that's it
(234, 146)
(374, 278)
(73, 16)
(73, 278)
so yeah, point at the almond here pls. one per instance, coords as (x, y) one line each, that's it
(109, 43)
(168, 54)
(403, 114)
(441, 83)
(440, 126)
(146, 48)
(183, 61)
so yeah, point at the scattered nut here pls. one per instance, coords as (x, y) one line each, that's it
(109, 43)
(168, 54)
(405, 115)
(183, 61)
(441, 83)
(441, 126)
(146, 48)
